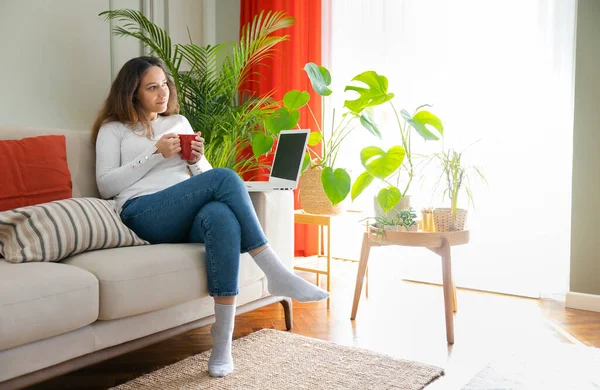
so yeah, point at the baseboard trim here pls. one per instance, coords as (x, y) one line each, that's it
(575, 300)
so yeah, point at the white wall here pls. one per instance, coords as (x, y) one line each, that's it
(184, 14)
(55, 62)
(220, 21)
(585, 243)
(58, 57)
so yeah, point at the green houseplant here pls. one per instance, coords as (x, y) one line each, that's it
(407, 219)
(388, 166)
(403, 220)
(371, 89)
(455, 177)
(209, 86)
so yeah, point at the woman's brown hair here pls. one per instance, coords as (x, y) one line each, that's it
(121, 105)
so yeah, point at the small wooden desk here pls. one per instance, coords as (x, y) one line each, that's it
(438, 242)
(322, 221)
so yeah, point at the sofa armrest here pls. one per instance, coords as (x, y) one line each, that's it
(275, 211)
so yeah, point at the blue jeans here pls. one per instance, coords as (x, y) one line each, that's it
(213, 208)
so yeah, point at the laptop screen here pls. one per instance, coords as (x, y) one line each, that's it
(289, 156)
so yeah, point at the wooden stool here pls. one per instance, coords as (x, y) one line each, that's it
(438, 242)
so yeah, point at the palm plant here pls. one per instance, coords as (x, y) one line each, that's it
(209, 87)
(456, 176)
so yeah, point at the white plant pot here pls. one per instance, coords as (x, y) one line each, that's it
(403, 203)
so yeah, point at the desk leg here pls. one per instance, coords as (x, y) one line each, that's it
(360, 275)
(319, 252)
(448, 290)
(328, 263)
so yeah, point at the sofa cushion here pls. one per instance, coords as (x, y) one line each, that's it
(33, 170)
(42, 300)
(55, 230)
(81, 154)
(138, 280)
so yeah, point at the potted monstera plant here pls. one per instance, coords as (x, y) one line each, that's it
(323, 184)
(395, 168)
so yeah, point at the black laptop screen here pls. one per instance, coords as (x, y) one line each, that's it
(290, 153)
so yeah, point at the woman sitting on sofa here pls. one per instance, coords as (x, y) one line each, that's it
(138, 164)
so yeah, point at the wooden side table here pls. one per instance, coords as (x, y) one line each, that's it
(438, 242)
(322, 221)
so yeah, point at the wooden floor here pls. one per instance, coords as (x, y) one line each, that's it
(402, 319)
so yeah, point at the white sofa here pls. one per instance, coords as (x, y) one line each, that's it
(58, 317)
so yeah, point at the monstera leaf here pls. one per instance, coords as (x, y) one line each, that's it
(388, 197)
(295, 99)
(282, 119)
(261, 144)
(319, 78)
(366, 119)
(336, 184)
(421, 119)
(374, 94)
(381, 164)
(314, 138)
(361, 183)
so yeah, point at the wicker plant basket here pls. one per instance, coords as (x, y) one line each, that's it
(312, 196)
(445, 222)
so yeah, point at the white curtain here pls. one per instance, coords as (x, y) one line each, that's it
(500, 76)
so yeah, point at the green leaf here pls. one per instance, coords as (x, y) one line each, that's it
(366, 119)
(281, 119)
(336, 184)
(382, 164)
(314, 138)
(360, 184)
(295, 99)
(388, 197)
(423, 118)
(374, 94)
(305, 162)
(261, 144)
(405, 115)
(369, 152)
(319, 78)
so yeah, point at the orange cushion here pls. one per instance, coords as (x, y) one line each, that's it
(33, 170)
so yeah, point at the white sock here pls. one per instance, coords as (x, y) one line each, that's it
(283, 282)
(221, 363)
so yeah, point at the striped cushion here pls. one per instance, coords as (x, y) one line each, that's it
(56, 230)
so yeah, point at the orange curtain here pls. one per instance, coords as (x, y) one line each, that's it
(284, 72)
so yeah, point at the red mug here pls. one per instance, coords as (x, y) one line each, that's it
(186, 146)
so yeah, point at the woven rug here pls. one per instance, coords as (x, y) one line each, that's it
(272, 359)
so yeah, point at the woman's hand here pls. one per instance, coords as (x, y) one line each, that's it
(197, 149)
(168, 145)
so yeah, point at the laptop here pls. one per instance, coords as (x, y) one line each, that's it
(286, 164)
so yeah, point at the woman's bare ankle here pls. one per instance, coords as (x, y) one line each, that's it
(225, 300)
(256, 251)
